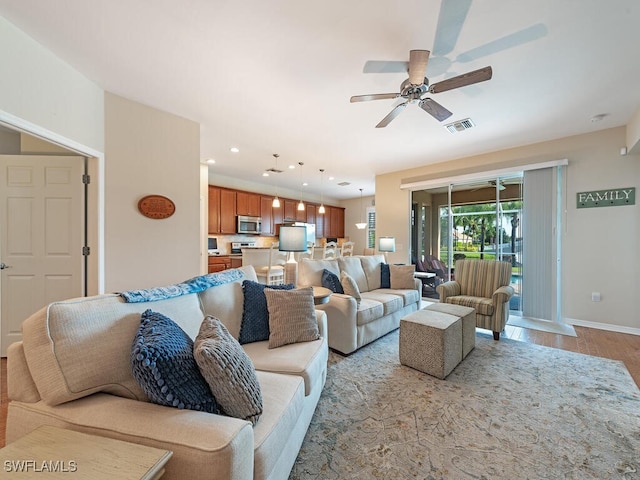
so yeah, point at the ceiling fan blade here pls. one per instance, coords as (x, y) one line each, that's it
(397, 110)
(434, 109)
(375, 96)
(383, 66)
(463, 80)
(418, 66)
(529, 34)
(450, 21)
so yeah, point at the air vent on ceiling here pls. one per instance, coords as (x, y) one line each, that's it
(344, 184)
(460, 125)
(273, 170)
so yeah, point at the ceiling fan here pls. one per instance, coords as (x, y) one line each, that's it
(415, 88)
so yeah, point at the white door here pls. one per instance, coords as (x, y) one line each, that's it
(41, 236)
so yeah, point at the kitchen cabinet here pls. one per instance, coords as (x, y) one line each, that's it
(320, 222)
(266, 212)
(217, 263)
(214, 209)
(222, 210)
(337, 222)
(248, 204)
(228, 222)
(289, 210)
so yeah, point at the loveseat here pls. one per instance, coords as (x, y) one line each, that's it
(485, 286)
(72, 369)
(353, 322)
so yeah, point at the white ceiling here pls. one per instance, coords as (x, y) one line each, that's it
(276, 76)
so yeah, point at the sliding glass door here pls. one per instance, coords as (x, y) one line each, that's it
(475, 219)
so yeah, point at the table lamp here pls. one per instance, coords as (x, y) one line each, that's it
(292, 239)
(385, 245)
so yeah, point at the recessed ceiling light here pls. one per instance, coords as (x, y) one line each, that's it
(332, 178)
(211, 161)
(304, 184)
(291, 167)
(234, 149)
(265, 174)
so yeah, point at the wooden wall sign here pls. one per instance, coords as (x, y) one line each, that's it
(156, 207)
(606, 198)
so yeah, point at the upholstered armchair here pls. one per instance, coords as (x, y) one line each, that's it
(483, 285)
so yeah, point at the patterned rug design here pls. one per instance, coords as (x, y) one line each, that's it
(510, 410)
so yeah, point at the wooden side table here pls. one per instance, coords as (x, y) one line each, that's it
(321, 295)
(56, 453)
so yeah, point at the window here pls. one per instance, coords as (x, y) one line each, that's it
(371, 227)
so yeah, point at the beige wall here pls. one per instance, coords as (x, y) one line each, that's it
(38, 88)
(600, 253)
(354, 214)
(150, 152)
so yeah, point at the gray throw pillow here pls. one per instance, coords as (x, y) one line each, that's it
(350, 286)
(292, 316)
(228, 370)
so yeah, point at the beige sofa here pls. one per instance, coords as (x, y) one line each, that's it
(351, 325)
(72, 370)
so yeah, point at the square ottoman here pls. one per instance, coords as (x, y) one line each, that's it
(468, 317)
(431, 342)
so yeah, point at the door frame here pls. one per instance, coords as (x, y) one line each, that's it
(95, 196)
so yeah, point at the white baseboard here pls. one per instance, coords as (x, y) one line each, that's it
(602, 326)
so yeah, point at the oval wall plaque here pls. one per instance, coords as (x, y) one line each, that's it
(156, 207)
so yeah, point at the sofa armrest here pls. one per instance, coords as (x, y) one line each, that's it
(448, 289)
(20, 384)
(321, 318)
(502, 295)
(342, 314)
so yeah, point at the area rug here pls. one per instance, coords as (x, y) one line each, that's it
(510, 410)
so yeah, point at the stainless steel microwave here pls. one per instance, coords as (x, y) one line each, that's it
(250, 225)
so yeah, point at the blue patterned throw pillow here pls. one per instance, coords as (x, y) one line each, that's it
(255, 316)
(331, 281)
(385, 276)
(162, 363)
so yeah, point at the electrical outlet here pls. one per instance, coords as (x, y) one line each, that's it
(595, 296)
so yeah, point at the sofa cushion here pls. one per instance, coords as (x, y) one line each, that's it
(331, 281)
(353, 266)
(371, 264)
(228, 371)
(483, 306)
(226, 302)
(390, 302)
(402, 276)
(307, 360)
(255, 314)
(368, 311)
(408, 296)
(350, 286)
(100, 330)
(163, 364)
(292, 316)
(310, 271)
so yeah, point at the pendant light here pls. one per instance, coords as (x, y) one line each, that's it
(321, 208)
(300, 204)
(361, 225)
(276, 200)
